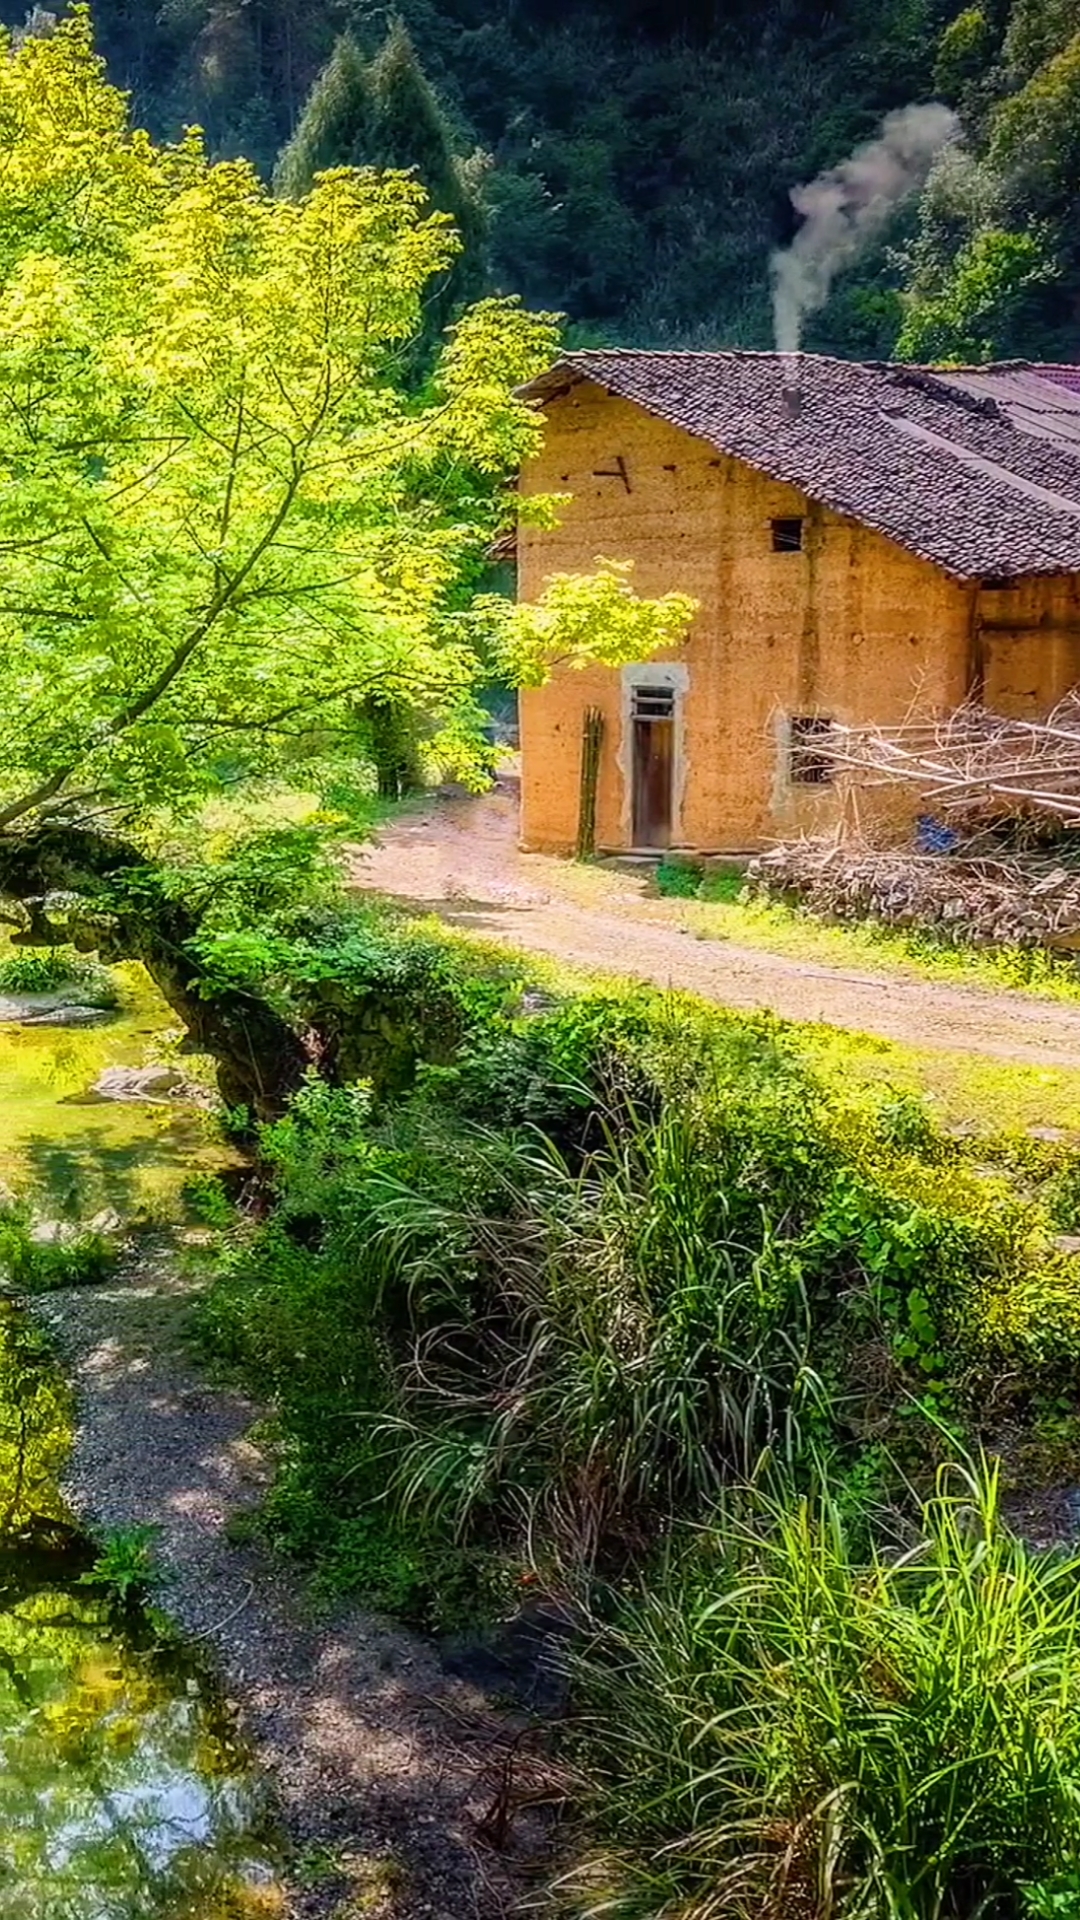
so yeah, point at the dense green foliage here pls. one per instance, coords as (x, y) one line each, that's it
(785, 1724)
(211, 504)
(994, 264)
(640, 159)
(609, 1295)
(383, 113)
(566, 1184)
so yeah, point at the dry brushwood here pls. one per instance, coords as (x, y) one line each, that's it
(970, 899)
(998, 792)
(972, 767)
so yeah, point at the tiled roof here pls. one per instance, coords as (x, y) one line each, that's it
(977, 469)
(1061, 376)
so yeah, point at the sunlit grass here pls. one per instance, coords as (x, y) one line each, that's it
(351, 804)
(965, 1089)
(720, 913)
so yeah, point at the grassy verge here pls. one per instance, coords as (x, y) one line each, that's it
(961, 1090)
(50, 969)
(715, 910)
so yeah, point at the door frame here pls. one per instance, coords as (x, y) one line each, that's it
(673, 674)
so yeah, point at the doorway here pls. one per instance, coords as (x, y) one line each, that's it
(652, 719)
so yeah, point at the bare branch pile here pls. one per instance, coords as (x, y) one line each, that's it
(977, 900)
(973, 767)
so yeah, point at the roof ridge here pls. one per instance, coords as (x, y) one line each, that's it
(722, 353)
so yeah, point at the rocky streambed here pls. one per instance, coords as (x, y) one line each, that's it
(94, 1108)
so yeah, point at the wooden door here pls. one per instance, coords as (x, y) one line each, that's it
(653, 723)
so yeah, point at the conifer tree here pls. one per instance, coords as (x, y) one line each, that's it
(386, 115)
(334, 129)
(409, 128)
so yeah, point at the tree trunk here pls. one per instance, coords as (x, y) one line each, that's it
(261, 1059)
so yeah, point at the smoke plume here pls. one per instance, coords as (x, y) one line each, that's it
(846, 207)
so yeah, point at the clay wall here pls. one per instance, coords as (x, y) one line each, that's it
(1030, 642)
(850, 627)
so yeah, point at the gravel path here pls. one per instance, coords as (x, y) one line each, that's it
(460, 859)
(374, 1751)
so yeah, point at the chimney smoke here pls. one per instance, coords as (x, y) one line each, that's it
(846, 208)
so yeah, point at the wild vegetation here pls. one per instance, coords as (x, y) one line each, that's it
(645, 1309)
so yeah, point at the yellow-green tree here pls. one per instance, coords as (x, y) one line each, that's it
(224, 527)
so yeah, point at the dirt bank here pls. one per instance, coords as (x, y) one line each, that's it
(379, 1759)
(459, 858)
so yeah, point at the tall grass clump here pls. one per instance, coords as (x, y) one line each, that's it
(777, 1725)
(595, 1347)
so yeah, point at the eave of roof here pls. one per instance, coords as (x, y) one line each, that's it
(976, 470)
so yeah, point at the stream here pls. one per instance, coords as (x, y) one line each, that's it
(124, 1793)
(77, 1154)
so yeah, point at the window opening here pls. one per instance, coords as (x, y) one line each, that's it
(654, 703)
(810, 767)
(787, 536)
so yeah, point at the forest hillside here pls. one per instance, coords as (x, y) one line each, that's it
(631, 164)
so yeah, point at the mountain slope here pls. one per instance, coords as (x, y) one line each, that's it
(643, 153)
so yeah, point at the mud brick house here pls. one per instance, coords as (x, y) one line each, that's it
(862, 539)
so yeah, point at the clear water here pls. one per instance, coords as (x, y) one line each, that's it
(79, 1155)
(123, 1792)
(122, 1796)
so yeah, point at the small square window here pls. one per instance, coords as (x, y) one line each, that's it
(810, 767)
(653, 703)
(787, 536)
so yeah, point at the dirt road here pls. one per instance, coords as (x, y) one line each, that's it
(459, 858)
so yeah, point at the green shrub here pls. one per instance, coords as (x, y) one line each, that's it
(779, 1725)
(724, 886)
(1062, 1194)
(68, 1257)
(47, 969)
(1056, 1899)
(307, 1325)
(206, 1200)
(679, 879)
(125, 1563)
